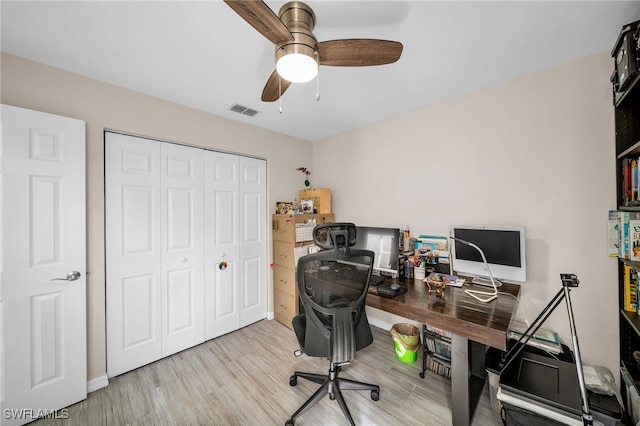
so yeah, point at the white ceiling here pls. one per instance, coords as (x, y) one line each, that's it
(203, 55)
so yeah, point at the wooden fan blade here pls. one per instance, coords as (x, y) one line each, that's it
(262, 18)
(358, 52)
(275, 87)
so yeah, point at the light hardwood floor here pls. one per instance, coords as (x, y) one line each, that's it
(242, 378)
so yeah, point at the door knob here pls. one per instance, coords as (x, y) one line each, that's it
(71, 276)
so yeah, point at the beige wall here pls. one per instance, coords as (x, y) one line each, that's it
(537, 151)
(102, 106)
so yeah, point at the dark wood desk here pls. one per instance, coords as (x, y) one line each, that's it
(474, 326)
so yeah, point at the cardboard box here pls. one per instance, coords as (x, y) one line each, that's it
(321, 199)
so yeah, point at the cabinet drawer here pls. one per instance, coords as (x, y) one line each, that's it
(283, 254)
(285, 307)
(284, 279)
(283, 228)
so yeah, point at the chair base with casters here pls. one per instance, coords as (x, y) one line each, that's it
(333, 386)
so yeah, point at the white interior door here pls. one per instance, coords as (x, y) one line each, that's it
(182, 247)
(253, 251)
(42, 280)
(221, 243)
(133, 252)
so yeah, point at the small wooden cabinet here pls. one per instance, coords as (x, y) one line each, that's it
(285, 292)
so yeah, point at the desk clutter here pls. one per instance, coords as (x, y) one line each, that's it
(429, 253)
(312, 201)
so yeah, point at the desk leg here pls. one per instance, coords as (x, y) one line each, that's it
(467, 378)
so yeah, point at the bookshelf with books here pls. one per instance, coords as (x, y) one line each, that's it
(436, 351)
(629, 160)
(626, 101)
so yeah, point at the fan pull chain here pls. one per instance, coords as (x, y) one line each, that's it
(317, 77)
(280, 94)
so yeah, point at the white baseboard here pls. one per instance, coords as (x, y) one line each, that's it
(379, 323)
(270, 315)
(97, 383)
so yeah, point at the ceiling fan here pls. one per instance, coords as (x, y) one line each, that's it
(297, 51)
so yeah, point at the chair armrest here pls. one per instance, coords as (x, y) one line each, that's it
(343, 337)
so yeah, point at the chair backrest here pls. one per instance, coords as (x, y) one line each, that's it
(333, 286)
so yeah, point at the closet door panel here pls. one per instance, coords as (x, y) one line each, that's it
(182, 247)
(221, 243)
(133, 252)
(253, 255)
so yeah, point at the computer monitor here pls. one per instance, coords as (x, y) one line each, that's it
(384, 242)
(504, 248)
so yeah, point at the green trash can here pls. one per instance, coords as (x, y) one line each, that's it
(406, 339)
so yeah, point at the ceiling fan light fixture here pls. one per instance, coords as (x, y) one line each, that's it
(297, 67)
(296, 62)
(297, 51)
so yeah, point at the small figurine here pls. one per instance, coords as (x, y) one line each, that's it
(437, 284)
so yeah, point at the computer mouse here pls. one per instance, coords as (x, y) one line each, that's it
(394, 287)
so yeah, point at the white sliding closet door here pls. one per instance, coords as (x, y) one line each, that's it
(253, 253)
(222, 245)
(133, 252)
(235, 247)
(182, 203)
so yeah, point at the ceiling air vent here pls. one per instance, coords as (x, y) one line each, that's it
(244, 110)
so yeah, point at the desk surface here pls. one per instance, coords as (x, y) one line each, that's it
(459, 313)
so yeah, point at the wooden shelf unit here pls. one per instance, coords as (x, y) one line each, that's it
(285, 291)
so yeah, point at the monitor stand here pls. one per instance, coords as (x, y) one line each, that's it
(485, 281)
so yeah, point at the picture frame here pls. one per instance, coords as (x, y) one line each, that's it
(284, 207)
(306, 206)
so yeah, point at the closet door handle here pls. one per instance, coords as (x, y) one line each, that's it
(71, 276)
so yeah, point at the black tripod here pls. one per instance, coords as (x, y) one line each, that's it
(568, 280)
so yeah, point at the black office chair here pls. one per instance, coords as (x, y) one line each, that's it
(333, 286)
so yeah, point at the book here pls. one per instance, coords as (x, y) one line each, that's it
(634, 179)
(634, 239)
(630, 289)
(626, 181)
(623, 217)
(431, 242)
(613, 233)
